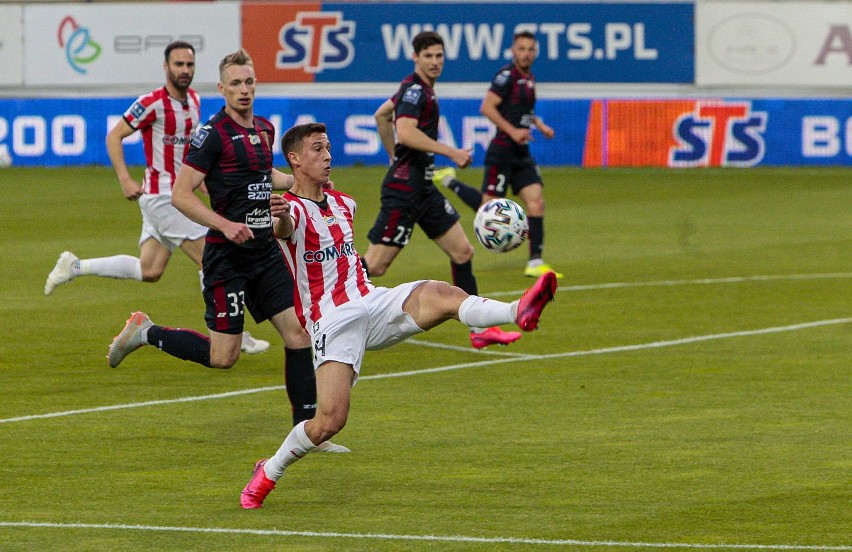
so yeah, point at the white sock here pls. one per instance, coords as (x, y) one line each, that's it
(124, 267)
(479, 312)
(295, 446)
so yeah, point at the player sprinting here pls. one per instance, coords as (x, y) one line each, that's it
(510, 105)
(408, 196)
(166, 117)
(342, 310)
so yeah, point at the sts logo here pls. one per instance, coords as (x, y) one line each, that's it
(719, 134)
(316, 41)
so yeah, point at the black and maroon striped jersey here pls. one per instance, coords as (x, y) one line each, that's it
(237, 163)
(417, 100)
(517, 91)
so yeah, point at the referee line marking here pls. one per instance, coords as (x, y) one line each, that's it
(502, 360)
(428, 538)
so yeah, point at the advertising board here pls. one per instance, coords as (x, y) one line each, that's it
(806, 44)
(11, 46)
(589, 132)
(371, 42)
(110, 44)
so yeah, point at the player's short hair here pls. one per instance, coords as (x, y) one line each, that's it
(523, 34)
(425, 39)
(293, 138)
(240, 57)
(177, 45)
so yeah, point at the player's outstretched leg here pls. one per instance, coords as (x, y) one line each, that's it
(129, 338)
(533, 301)
(62, 273)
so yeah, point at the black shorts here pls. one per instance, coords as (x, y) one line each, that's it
(236, 278)
(401, 209)
(506, 168)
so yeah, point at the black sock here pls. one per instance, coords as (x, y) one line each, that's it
(301, 383)
(536, 236)
(180, 343)
(463, 277)
(468, 194)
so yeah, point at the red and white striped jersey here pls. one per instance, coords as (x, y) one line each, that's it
(166, 125)
(321, 254)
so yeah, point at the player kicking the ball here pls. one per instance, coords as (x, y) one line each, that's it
(341, 309)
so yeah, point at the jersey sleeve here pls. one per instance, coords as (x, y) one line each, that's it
(142, 113)
(501, 84)
(409, 101)
(204, 150)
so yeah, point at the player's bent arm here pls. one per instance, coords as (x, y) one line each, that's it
(411, 136)
(545, 129)
(489, 108)
(384, 126)
(115, 151)
(281, 180)
(282, 220)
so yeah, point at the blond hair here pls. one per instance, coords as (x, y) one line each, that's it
(240, 57)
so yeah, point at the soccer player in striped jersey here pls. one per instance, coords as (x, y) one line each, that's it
(341, 309)
(166, 118)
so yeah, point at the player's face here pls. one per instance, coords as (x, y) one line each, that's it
(180, 68)
(523, 52)
(237, 87)
(315, 159)
(429, 62)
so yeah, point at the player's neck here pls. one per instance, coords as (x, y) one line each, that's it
(173, 92)
(307, 190)
(429, 81)
(244, 118)
(521, 69)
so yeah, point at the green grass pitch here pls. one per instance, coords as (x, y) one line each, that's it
(689, 388)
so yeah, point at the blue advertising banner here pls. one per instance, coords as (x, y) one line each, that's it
(371, 42)
(672, 132)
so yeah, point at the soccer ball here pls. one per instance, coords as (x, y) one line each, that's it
(501, 225)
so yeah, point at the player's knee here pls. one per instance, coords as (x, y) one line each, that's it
(151, 274)
(377, 269)
(330, 423)
(535, 207)
(463, 254)
(224, 360)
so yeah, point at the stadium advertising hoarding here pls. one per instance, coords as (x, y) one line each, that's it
(117, 44)
(591, 133)
(11, 50)
(371, 42)
(778, 44)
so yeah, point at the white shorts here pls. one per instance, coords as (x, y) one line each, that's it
(367, 323)
(164, 223)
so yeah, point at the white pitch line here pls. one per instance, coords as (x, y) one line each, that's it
(428, 538)
(502, 360)
(702, 281)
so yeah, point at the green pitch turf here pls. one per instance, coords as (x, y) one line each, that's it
(689, 388)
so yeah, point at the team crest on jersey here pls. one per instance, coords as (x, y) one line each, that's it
(254, 139)
(136, 110)
(330, 220)
(200, 136)
(502, 78)
(412, 95)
